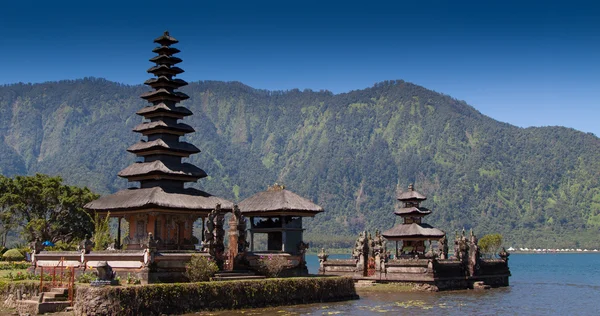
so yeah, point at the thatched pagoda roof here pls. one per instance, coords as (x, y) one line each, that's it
(278, 201)
(165, 39)
(188, 199)
(166, 50)
(157, 167)
(163, 127)
(405, 211)
(163, 95)
(411, 194)
(143, 147)
(164, 70)
(413, 231)
(165, 82)
(166, 59)
(165, 110)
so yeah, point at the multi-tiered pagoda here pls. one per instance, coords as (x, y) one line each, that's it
(412, 232)
(162, 205)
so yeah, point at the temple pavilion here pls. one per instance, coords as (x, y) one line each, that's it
(412, 233)
(278, 213)
(161, 205)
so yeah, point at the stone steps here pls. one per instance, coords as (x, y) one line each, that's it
(55, 300)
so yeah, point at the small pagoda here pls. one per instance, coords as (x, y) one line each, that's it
(412, 232)
(278, 213)
(161, 208)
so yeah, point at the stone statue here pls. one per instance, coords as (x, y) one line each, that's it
(358, 246)
(322, 255)
(443, 248)
(37, 246)
(86, 245)
(504, 254)
(473, 256)
(105, 271)
(209, 233)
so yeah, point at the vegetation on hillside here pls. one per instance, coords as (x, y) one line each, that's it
(351, 153)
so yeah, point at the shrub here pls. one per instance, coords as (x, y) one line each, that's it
(200, 268)
(489, 244)
(86, 277)
(13, 255)
(271, 266)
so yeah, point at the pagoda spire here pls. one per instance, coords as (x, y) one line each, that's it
(162, 151)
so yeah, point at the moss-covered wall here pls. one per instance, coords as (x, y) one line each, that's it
(157, 299)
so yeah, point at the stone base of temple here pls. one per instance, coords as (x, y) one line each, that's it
(425, 274)
(133, 265)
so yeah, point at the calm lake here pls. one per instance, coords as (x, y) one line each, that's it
(541, 284)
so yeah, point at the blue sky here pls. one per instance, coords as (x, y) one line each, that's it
(528, 63)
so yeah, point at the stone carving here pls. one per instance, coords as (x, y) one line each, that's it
(504, 254)
(322, 255)
(105, 271)
(209, 233)
(379, 251)
(474, 256)
(37, 246)
(443, 248)
(85, 245)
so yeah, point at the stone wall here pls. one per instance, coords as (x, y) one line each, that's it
(10, 292)
(158, 299)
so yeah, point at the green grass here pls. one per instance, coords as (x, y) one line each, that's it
(4, 273)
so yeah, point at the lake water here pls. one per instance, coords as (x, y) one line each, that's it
(541, 284)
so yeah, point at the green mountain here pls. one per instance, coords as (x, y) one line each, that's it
(349, 152)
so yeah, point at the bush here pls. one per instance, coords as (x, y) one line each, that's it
(13, 255)
(86, 277)
(200, 268)
(489, 244)
(271, 266)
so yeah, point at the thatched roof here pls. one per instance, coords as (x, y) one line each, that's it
(411, 194)
(278, 201)
(166, 59)
(164, 94)
(162, 127)
(176, 111)
(166, 39)
(139, 199)
(164, 82)
(404, 211)
(159, 167)
(162, 70)
(413, 230)
(159, 144)
(166, 50)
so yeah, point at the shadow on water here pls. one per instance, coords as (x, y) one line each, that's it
(564, 284)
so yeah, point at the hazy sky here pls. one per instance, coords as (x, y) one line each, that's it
(528, 63)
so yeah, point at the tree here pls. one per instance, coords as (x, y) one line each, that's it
(8, 220)
(101, 231)
(489, 244)
(46, 209)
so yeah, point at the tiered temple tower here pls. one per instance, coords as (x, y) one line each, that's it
(161, 205)
(412, 232)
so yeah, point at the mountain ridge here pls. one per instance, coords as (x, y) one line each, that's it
(349, 152)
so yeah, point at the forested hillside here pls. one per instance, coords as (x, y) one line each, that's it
(351, 153)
